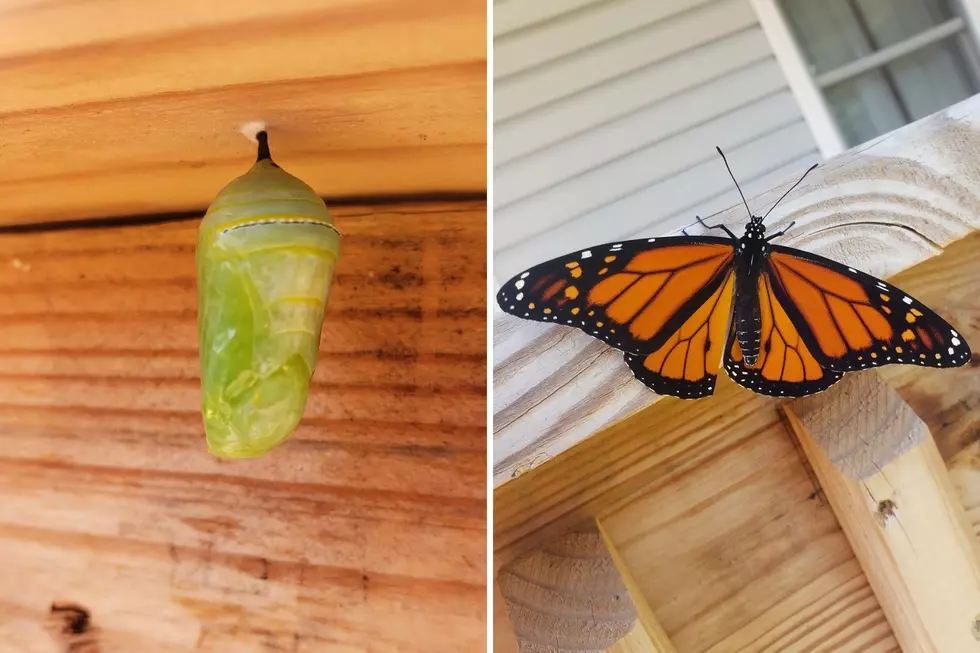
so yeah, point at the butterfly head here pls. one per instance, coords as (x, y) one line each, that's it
(755, 228)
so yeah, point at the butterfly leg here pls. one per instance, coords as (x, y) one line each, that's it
(781, 231)
(717, 226)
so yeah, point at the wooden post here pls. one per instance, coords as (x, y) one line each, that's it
(568, 595)
(888, 485)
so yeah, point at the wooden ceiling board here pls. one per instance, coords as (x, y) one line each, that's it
(118, 108)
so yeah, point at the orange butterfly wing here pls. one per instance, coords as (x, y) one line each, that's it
(686, 365)
(785, 367)
(851, 320)
(634, 295)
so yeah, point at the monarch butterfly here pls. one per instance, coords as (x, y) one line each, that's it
(266, 252)
(786, 322)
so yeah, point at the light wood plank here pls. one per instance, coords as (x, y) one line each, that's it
(636, 641)
(384, 97)
(888, 485)
(365, 531)
(653, 639)
(915, 191)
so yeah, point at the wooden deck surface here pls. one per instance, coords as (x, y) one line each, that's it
(366, 531)
(718, 518)
(116, 107)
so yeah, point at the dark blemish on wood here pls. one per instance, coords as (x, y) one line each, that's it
(265, 569)
(975, 628)
(399, 280)
(77, 620)
(414, 314)
(886, 510)
(397, 352)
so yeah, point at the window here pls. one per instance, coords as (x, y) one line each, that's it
(875, 64)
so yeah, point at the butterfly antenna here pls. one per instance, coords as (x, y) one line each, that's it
(809, 170)
(735, 180)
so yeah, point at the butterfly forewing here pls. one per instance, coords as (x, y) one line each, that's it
(635, 295)
(851, 320)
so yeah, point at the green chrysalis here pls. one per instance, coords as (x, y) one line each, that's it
(266, 251)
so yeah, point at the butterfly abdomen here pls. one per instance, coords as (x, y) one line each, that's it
(748, 329)
(748, 314)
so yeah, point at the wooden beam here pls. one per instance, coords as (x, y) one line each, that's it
(568, 596)
(888, 485)
(363, 99)
(654, 639)
(882, 208)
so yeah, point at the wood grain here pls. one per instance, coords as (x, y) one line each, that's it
(717, 521)
(861, 425)
(366, 531)
(363, 98)
(567, 595)
(653, 639)
(882, 208)
(905, 522)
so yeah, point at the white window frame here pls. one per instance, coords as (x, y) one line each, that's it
(808, 91)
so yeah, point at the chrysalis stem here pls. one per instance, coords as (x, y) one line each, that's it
(263, 138)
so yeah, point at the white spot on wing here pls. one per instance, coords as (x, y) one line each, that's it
(587, 254)
(956, 341)
(907, 300)
(519, 284)
(520, 296)
(524, 276)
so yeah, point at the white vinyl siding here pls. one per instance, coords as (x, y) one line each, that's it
(607, 113)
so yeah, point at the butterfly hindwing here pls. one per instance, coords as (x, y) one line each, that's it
(686, 365)
(785, 367)
(634, 295)
(853, 321)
